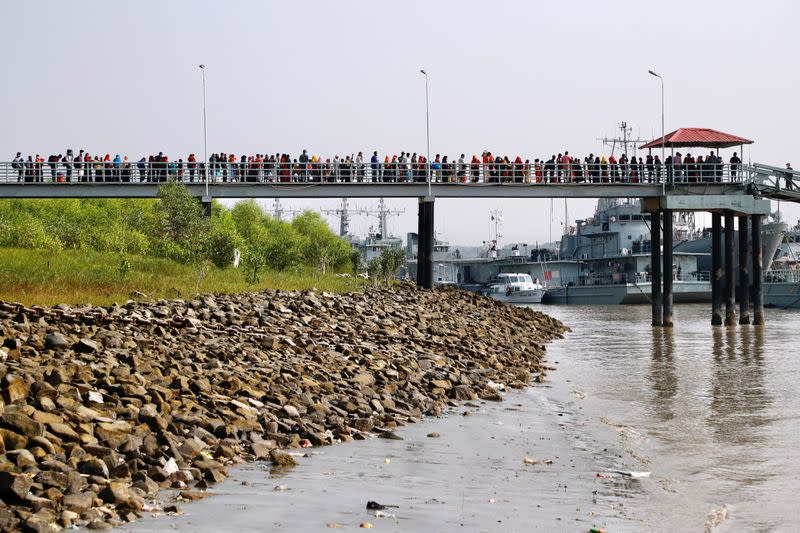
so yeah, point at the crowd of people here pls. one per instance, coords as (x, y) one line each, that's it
(406, 167)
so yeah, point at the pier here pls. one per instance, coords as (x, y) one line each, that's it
(741, 193)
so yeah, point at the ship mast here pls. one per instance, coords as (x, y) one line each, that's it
(383, 213)
(278, 210)
(343, 213)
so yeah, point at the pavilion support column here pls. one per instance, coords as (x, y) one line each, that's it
(425, 243)
(758, 295)
(744, 282)
(655, 266)
(730, 280)
(716, 269)
(666, 319)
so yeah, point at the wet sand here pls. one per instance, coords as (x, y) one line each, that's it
(471, 478)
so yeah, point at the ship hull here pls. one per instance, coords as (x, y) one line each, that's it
(784, 295)
(522, 297)
(683, 292)
(771, 238)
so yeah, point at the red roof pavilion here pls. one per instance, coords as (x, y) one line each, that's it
(702, 137)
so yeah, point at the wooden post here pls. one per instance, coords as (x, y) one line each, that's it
(667, 270)
(716, 269)
(730, 280)
(758, 295)
(655, 266)
(744, 281)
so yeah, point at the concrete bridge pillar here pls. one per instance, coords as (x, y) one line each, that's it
(205, 202)
(716, 269)
(655, 266)
(425, 238)
(744, 282)
(730, 280)
(667, 256)
(758, 295)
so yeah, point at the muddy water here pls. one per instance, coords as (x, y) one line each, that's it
(711, 413)
(715, 409)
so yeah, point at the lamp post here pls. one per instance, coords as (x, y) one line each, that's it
(427, 130)
(662, 113)
(205, 128)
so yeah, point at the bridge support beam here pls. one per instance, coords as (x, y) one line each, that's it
(655, 266)
(730, 280)
(716, 269)
(744, 281)
(205, 202)
(758, 295)
(425, 238)
(666, 319)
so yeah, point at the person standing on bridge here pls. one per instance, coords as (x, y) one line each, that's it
(735, 162)
(677, 166)
(789, 177)
(375, 167)
(475, 169)
(18, 164)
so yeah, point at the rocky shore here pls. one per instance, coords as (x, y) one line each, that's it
(103, 406)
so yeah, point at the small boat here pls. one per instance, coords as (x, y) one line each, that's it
(516, 288)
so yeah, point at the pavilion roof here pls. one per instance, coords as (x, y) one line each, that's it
(702, 137)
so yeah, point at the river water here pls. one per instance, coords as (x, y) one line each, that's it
(711, 413)
(715, 409)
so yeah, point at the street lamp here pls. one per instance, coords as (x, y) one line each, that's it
(427, 129)
(205, 129)
(662, 113)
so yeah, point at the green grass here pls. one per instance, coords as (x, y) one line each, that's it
(39, 277)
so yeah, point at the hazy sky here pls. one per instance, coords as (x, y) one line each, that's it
(528, 78)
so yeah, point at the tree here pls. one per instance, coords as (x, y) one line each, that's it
(322, 248)
(385, 267)
(179, 227)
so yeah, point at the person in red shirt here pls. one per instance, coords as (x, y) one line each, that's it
(191, 165)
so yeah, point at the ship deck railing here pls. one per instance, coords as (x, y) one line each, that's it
(782, 276)
(626, 278)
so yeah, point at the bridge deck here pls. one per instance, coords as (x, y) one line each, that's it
(373, 190)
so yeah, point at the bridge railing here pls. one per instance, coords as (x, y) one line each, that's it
(140, 172)
(776, 179)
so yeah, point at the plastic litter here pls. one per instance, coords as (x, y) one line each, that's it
(365, 525)
(171, 467)
(528, 461)
(628, 473)
(381, 514)
(496, 386)
(375, 506)
(597, 530)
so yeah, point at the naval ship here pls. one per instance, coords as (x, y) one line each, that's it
(782, 280)
(605, 259)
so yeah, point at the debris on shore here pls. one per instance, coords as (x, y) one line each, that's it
(103, 406)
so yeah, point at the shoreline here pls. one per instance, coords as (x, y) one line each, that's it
(510, 466)
(104, 406)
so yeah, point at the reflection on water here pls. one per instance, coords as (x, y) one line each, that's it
(717, 407)
(738, 394)
(662, 374)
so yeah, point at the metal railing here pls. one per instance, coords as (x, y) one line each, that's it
(771, 179)
(131, 172)
(623, 278)
(782, 276)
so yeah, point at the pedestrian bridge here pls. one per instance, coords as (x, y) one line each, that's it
(735, 192)
(45, 180)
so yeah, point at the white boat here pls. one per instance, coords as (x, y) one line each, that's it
(517, 288)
